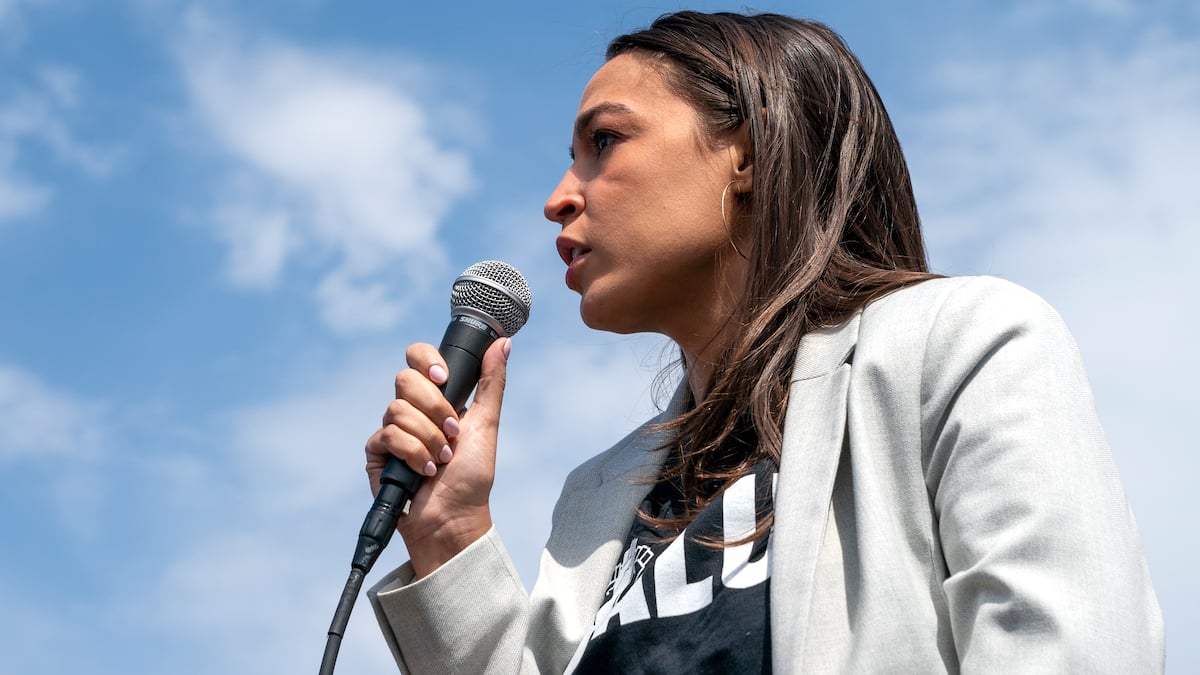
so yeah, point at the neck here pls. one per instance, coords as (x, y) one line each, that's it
(716, 325)
(700, 359)
(698, 375)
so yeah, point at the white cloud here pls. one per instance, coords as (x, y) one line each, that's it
(338, 161)
(40, 115)
(312, 441)
(18, 195)
(43, 112)
(12, 24)
(40, 422)
(58, 442)
(259, 243)
(350, 298)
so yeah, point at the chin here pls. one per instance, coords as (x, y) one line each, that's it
(610, 318)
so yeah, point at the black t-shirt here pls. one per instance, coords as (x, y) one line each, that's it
(678, 606)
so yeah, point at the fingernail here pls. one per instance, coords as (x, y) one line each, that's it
(446, 454)
(507, 348)
(450, 426)
(430, 469)
(438, 374)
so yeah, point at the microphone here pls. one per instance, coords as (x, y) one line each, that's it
(488, 301)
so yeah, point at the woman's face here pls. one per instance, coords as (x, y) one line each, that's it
(640, 209)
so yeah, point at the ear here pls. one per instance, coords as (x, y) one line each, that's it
(741, 159)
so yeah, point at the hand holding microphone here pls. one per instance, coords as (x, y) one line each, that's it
(489, 302)
(427, 425)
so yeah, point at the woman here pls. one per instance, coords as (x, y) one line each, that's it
(866, 468)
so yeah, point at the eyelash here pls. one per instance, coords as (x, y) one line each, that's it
(594, 139)
(596, 136)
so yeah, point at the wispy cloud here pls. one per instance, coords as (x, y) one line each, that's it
(33, 416)
(12, 23)
(336, 159)
(61, 442)
(35, 115)
(19, 196)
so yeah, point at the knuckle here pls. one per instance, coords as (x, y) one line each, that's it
(434, 440)
(393, 437)
(404, 378)
(496, 381)
(396, 408)
(418, 354)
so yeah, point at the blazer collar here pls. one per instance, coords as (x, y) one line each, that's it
(821, 351)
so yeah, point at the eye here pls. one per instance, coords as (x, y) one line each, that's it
(601, 139)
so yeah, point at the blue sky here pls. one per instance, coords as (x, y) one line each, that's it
(220, 225)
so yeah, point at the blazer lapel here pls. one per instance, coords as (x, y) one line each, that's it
(599, 517)
(813, 435)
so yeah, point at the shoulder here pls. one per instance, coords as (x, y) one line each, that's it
(916, 324)
(954, 309)
(939, 334)
(947, 297)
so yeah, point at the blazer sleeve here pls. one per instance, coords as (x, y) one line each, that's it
(473, 615)
(470, 615)
(1045, 567)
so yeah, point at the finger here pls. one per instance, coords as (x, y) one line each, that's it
(489, 394)
(397, 442)
(424, 397)
(435, 437)
(375, 462)
(425, 359)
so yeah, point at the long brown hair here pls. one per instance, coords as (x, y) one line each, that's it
(830, 218)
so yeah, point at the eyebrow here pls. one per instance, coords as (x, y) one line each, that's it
(585, 118)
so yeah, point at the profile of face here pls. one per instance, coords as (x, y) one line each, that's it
(640, 207)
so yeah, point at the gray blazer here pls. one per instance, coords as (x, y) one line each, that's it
(946, 502)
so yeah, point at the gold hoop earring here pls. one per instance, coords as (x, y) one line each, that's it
(725, 222)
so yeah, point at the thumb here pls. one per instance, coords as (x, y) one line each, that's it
(493, 375)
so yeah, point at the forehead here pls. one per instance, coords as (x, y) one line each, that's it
(636, 82)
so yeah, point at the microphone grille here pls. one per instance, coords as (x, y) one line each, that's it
(495, 289)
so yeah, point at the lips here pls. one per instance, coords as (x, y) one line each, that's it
(573, 253)
(569, 249)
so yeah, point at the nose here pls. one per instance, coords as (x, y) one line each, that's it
(566, 202)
